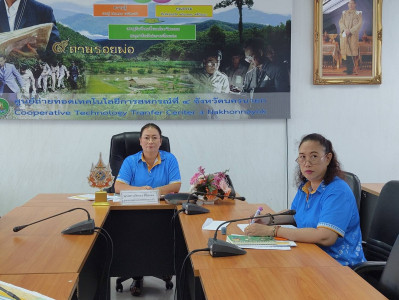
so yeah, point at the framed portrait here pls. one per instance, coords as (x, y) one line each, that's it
(347, 42)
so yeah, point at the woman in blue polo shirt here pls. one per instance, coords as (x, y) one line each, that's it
(149, 169)
(326, 211)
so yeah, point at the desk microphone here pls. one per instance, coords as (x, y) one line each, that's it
(194, 209)
(187, 207)
(221, 196)
(219, 248)
(81, 228)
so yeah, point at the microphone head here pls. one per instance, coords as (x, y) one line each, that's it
(220, 248)
(221, 196)
(18, 228)
(82, 228)
(194, 209)
(179, 198)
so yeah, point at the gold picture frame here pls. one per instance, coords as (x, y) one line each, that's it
(333, 62)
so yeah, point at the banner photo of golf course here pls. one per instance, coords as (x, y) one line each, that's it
(145, 59)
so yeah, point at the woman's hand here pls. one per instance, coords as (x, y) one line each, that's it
(259, 230)
(121, 186)
(264, 221)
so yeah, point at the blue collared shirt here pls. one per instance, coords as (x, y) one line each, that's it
(332, 206)
(135, 172)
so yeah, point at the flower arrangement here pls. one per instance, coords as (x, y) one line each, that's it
(212, 184)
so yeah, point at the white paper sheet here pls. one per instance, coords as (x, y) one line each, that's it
(90, 197)
(210, 224)
(265, 247)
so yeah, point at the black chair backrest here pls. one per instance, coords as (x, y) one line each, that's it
(125, 144)
(354, 183)
(389, 282)
(385, 224)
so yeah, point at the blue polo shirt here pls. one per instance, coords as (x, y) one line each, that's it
(332, 206)
(135, 172)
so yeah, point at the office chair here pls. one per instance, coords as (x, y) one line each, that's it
(384, 229)
(354, 183)
(385, 224)
(123, 145)
(389, 281)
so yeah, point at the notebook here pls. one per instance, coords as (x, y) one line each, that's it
(237, 239)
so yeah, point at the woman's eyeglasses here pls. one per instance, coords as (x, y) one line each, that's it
(314, 159)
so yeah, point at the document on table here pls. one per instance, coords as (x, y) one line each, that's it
(266, 247)
(90, 197)
(20, 292)
(211, 224)
(84, 197)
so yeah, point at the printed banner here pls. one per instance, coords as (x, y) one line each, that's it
(145, 59)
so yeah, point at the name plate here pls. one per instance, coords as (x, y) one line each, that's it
(136, 197)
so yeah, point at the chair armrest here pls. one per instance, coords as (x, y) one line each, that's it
(369, 266)
(376, 250)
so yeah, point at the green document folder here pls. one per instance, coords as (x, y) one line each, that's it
(237, 239)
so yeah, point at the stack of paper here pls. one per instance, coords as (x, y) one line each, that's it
(259, 242)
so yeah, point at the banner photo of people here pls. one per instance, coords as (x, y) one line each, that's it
(145, 59)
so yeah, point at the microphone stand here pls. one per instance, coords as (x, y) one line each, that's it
(194, 209)
(219, 248)
(221, 196)
(81, 228)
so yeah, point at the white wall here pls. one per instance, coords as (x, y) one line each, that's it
(56, 156)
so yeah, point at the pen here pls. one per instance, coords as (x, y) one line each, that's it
(257, 213)
(9, 293)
